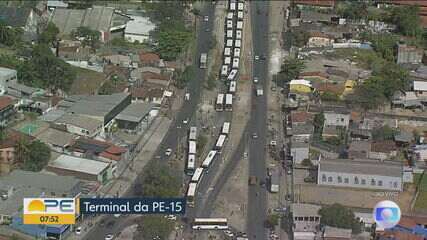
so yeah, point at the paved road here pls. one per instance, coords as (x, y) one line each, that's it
(174, 134)
(257, 196)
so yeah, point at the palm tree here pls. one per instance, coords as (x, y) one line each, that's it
(22, 150)
(5, 32)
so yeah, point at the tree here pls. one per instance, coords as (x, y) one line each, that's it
(290, 69)
(352, 9)
(318, 121)
(339, 216)
(88, 36)
(300, 37)
(407, 20)
(154, 227)
(182, 78)
(384, 44)
(171, 42)
(49, 35)
(9, 36)
(329, 96)
(158, 182)
(272, 220)
(307, 162)
(36, 156)
(383, 133)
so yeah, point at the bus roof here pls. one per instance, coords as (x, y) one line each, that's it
(220, 141)
(210, 220)
(191, 189)
(209, 158)
(197, 174)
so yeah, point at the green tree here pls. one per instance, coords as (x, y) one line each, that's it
(172, 42)
(154, 227)
(160, 181)
(318, 121)
(384, 44)
(339, 216)
(9, 36)
(36, 155)
(182, 78)
(352, 9)
(290, 69)
(384, 133)
(88, 36)
(272, 220)
(407, 20)
(307, 162)
(300, 37)
(49, 35)
(328, 96)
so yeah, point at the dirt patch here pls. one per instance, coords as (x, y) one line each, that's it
(86, 82)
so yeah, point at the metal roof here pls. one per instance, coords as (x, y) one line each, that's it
(87, 123)
(365, 167)
(303, 209)
(77, 164)
(135, 112)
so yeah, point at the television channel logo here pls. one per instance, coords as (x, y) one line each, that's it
(386, 214)
(49, 211)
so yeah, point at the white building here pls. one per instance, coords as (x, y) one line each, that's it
(336, 119)
(306, 220)
(138, 29)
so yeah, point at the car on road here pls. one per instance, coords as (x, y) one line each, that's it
(185, 121)
(256, 79)
(206, 19)
(273, 143)
(168, 152)
(228, 233)
(78, 230)
(254, 135)
(187, 96)
(109, 237)
(253, 180)
(256, 57)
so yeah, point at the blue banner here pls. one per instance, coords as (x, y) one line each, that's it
(132, 205)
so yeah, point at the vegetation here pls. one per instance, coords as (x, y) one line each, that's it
(159, 175)
(339, 216)
(307, 162)
(182, 78)
(318, 122)
(9, 36)
(384, 133)
(407, 20)
(88, 36)
(352, 9)
(272, 220)
(328, 96)
(421, 181)
(300, 37)
(110, 87)
(154, 227)
(34, 155)
(290, 69)
(49, 35)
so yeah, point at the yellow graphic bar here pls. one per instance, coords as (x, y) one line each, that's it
(49, 219)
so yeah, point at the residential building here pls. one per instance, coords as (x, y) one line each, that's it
(148, 93)
(7, 76)
(6, 110)
(154, 78)
(138, 29)
(80, 124)
(337, 119)
(366, 174)
(301, 117)
(333, 233)
(359, 149)
(318, 39)
(56, 139)
(404, 138)
(383, 150)
(149, 59)
(299, 151)
(420, 74)
(23, 184)
(8, 157)
(310, 16)
(300, 86)
(81, 168)
(135, 117)
(409, 227)
(306, 220)
(409, 54)
(302, 132)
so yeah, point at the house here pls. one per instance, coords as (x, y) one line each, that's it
(403, 138)
(318, 39)
(299, 151)
(149, 59)
(7, 76)
(6, 110)
(148, 93)
(138, 29)
(306, 220)
(8, 158)
(118, 60)
(420, 74)
(419, 154)
(80, 124)
(300, 86)
(56, 139)
(333, 233)
(337, 119)
(102, 151)
(383, 150)
(21, 91)
(409, 54)
(357, 134)
(359, 149)
(135, 117)
(420, 88)
(302, 132)
(365, 174)
(301, 117)
(155, 78)
(24, 184)
(81, 168)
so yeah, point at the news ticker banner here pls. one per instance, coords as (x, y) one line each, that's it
(65, 210)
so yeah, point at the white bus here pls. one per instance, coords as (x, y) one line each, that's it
(229, 43)
(238, 34)
(232, 75)
(235, 63)
(236, 52)
(209, 158)
(220, 141)
(210, 224)
(229, 24)
(232, 6)
(229, 16)
(229, 33)
(228, 102)
(227, 51)
(237, 43)
(197, 176)
(240, 6)
(239, 25)
(191, 193)
(240, 15)
(225, 128)
(227, 60)
(191, 164)
(193, 133)
(232, 88)
(192, 147)
(224, 70)
(203, 60)
(219, 106)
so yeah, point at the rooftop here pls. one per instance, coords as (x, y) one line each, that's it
(357, 166)
(7, 72)
(5, 101)
(55, 137)
(303, 209)
(88, 123)
(340, 233)
(147, 57)
(135, 112)
(79, 164)
(139, 26)
(386, 146)
(300, 116)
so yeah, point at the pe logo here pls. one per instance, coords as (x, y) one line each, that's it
(386, 214)
(49, 210)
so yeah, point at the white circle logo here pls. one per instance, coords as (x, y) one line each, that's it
(386, 214)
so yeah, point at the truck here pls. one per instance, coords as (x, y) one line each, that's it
(203, 60)
(274, 181)
(259, 92)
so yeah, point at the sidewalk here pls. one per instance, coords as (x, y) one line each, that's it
(150, 141)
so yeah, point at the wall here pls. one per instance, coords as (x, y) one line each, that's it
(7, 160)
(387, 181)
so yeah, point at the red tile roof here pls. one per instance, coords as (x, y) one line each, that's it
(383, 146)
(146, 57)
(5, 102)
(300, 117)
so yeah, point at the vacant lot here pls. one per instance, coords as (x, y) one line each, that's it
(86, 82)
(421, 202)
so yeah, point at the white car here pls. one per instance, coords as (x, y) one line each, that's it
(109, 237)
(206, 18)
(78, 230)
(228, 233)
(168, 152)
(256, 57)
(256, 80)
(185, 121)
